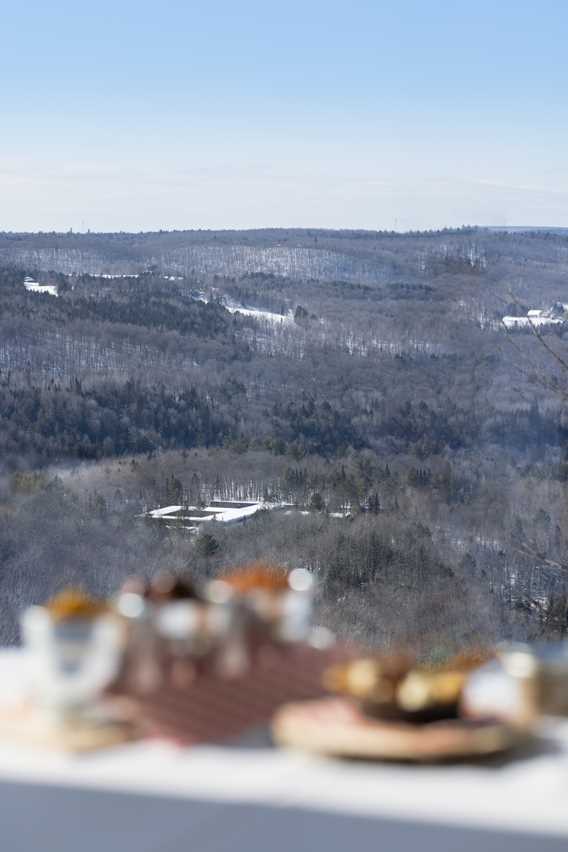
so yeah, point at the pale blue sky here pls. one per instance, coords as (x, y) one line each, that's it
(136, 115)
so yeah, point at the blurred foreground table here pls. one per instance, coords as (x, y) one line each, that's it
(150, 796)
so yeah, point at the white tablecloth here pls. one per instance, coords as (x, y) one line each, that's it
(273, 789)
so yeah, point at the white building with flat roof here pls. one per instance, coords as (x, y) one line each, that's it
(35, 287)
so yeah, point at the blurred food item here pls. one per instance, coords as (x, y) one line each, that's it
(258, 576)
(369, 677)
(167, 586)
(392, 687)
(468, 661)
(276, 603)
(434, 694)
(175, 626)
(338, 727)
(135, 585)
(72, 604)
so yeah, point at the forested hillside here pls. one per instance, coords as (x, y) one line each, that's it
(363, 379)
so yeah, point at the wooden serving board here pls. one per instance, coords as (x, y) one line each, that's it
(210, 708)
(336, 727)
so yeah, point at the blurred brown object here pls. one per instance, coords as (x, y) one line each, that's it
(196, 705)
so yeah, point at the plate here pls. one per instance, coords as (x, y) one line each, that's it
(337, 727)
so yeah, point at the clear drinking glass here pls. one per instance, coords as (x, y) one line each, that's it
(70, 662)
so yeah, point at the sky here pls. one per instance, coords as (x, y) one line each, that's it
(131, 115)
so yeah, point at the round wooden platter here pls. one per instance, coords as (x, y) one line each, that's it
(336, 727)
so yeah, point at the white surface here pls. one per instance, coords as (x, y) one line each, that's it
(35, 287)
(225, 515)
(266, 316)
(528, 794)
(255, 313)
(165, 510)
(528, 321)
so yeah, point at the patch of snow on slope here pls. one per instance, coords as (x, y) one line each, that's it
(266, 316)
(255, 313)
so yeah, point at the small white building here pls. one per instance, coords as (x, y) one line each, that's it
(538, 321)
(516, 322)
(220, 511)
(35, 287)
(537, 317)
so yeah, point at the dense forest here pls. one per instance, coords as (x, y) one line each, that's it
(361, 381)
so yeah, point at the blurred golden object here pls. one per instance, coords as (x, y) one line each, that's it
(258, 576)
(369, 678)
(420, 690)
(71, 604)
(390, 687)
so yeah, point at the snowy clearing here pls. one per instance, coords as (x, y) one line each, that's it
(266, 316)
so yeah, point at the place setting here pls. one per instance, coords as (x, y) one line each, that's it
(192, 662)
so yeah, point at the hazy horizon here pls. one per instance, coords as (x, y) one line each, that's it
(474, 225)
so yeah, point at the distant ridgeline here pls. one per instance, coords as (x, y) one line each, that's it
(362, 256)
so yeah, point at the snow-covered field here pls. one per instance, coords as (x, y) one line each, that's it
(255, 313)
(266, 316)
(112, 275)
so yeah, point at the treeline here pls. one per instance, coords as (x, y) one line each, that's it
(53, 422)
(57, 423)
